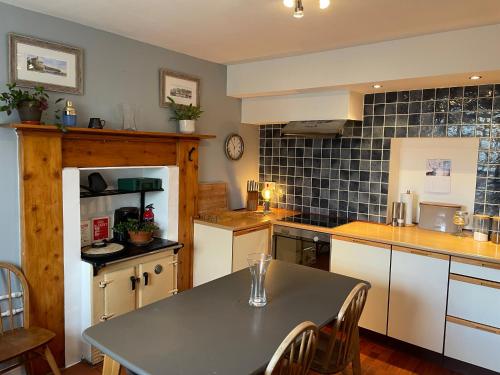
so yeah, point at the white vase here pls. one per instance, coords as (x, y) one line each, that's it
(186, 126)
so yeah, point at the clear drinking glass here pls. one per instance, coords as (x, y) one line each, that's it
(258, 264)
(128, 113)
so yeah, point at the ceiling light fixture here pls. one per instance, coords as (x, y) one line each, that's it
(377, 86)
(323, 4)
(299, 8)
(475, 78)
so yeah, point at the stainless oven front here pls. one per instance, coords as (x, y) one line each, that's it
(301, 246)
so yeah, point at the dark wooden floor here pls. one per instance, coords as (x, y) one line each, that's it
(378, 356)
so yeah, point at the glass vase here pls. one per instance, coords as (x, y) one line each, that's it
(258, 264)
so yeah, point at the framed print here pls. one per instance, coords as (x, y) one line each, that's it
(56, 67)
(182, 88)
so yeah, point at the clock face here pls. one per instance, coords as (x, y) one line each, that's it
(234, 147)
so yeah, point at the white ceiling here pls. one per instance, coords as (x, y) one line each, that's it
(228, 31)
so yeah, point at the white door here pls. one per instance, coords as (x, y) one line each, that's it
(246, 242)
(119, 292)
(418, 293)
(370, 262)
(158, 280)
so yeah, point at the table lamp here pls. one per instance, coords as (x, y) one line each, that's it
(267, 193)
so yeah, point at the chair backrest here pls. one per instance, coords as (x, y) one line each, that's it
(295, 354)
(344, 328)
(14, 298)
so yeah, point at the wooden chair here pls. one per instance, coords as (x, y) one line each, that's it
(18, 339)
(336, 350)
(296, 352)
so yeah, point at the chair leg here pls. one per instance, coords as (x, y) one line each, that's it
(110, 367)
(50, 360)
(356, 361)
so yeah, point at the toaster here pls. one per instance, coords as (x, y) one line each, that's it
(438, 216)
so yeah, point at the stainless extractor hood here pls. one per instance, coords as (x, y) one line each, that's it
(318, 129)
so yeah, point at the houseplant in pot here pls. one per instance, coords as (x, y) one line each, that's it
(186, 115)
(140, 233)
(29, 104)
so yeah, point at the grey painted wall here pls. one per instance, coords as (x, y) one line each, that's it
(120, 70)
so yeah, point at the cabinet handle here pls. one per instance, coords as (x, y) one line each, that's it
(146, 278)
(134, 280)
(106, 317)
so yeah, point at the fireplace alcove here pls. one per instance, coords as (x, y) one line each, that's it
(43, 153)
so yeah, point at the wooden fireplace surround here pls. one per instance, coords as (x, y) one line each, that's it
(43, 152)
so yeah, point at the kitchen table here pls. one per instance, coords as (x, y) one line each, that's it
(211, 329)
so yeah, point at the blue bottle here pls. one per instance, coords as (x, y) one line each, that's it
(69, 114)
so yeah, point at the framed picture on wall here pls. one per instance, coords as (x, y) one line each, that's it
(55, 66)
(184, 89)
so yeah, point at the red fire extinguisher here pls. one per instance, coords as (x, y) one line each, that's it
(149, 215)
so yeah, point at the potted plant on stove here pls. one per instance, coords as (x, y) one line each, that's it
(140, 233)
(186, 115)
(29, 104)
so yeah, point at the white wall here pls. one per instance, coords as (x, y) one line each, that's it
(448, 53)
(408, 163)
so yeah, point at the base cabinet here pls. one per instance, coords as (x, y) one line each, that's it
(125, 286)
(418, 294)
(246, 242)
(220, 251)
(473, 343)
(366, 261)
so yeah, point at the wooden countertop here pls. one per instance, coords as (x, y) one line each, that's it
(240, 220)
(422, 239)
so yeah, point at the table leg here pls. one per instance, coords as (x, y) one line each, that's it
(110, 367)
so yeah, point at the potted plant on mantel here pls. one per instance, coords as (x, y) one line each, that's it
(186, 115)
(140, 233)
(29, 104)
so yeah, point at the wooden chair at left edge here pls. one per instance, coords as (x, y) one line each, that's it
(18, 341)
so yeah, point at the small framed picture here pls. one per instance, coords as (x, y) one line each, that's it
(55, 66)
(182, 88)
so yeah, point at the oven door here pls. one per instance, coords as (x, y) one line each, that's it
(303, 247)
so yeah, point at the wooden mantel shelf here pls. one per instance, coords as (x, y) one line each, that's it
(109, 132)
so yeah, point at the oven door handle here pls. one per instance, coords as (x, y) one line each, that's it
(309, 249)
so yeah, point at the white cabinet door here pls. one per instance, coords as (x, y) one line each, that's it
(119, 292)
(213, 253)
(473, 343)
(370, 262)
(417, 302)
(157, 280)
(246, 242)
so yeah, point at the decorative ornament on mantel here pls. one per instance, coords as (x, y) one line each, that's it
(186, 115)
(299, 7)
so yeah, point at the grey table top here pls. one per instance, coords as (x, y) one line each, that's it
(211, 329)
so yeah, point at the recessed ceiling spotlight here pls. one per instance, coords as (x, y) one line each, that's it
(377, 86)
(475, 78)
(289, 3)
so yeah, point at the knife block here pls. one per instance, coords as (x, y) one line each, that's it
(252, 200)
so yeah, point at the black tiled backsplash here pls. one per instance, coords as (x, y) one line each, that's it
(349, 176)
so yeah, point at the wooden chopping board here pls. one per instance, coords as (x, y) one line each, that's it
(212, 196)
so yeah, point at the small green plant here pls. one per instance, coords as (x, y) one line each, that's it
(14, 97)
(134, 225)
(184, 112)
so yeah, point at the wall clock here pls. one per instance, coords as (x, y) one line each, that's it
(234, 147)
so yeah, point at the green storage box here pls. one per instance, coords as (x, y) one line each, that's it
(139, 184)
